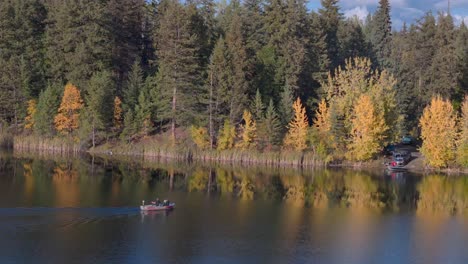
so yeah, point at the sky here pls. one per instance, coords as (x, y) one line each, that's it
(407, 11)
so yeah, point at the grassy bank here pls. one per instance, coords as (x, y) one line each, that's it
(58, 145)
(151, 149)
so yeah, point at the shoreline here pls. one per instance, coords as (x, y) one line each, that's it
(150, 150)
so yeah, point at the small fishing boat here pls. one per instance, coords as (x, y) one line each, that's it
(395, 166)
(164, 206)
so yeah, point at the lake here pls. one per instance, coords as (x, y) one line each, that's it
(85, 210)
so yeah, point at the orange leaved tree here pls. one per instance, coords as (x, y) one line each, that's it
(438, 132)
(67, 119)
(29, 119)
(297, 133)
(117, 113)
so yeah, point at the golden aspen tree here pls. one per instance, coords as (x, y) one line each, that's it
(67, 119)
(200, 136)
(117, 113)
(297, 128)
(227, 135)
(438, 132)
(462, 143)
(31, 111)
(368, 130)
(322, 120)
(248, 131)
(322, 136)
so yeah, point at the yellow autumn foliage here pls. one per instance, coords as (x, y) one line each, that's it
(117, 112)
(297, 128)
(368, 130)
(438, 132)
(227, 136)
(67, 119)
(248, 131)
(200, 137)
(31, 111)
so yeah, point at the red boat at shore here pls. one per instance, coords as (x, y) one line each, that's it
(164, 206)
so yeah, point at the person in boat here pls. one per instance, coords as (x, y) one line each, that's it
(157, 202)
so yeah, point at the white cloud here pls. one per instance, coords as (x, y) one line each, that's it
(453, 3)
(360, 12)
(347, 4)
(458, 19)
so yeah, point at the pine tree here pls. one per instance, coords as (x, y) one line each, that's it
(127, 35)
(462, 142)
(462, 59)
(285, 106)
(237, 58)
(444, 70)
(298, 128)
(133, 86)
(258, 108)
(438, 132)
(285, 26)
(217, 87)
(319, 63)
(178, 72)
(47, 105)
(143, 119)
(129, 126)
(67, 119)
(99, 106)
(78, 43)
(271, 129)
(22, 26)
(381, 34)
(352, 39)
(248, 131)
(331, 17)
(368, 130)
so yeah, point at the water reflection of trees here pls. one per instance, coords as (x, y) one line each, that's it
(79, 180)
(445, 194)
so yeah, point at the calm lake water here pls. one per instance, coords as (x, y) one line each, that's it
(84, 210)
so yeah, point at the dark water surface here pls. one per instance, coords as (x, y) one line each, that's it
(79, 210)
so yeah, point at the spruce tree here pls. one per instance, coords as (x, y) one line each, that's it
(331, 18)
(286, 103)
(133, 86)
(217, 85)
(47, 106)
(258, 108)
(178, 72)
(381, 34)
(462, 59)
(444, 70)
(126, 33)
(352, 40)
(271, 126)
(238, 65)
(98, 115)
(78, 43)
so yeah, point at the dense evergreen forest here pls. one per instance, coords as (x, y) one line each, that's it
(251, 74)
